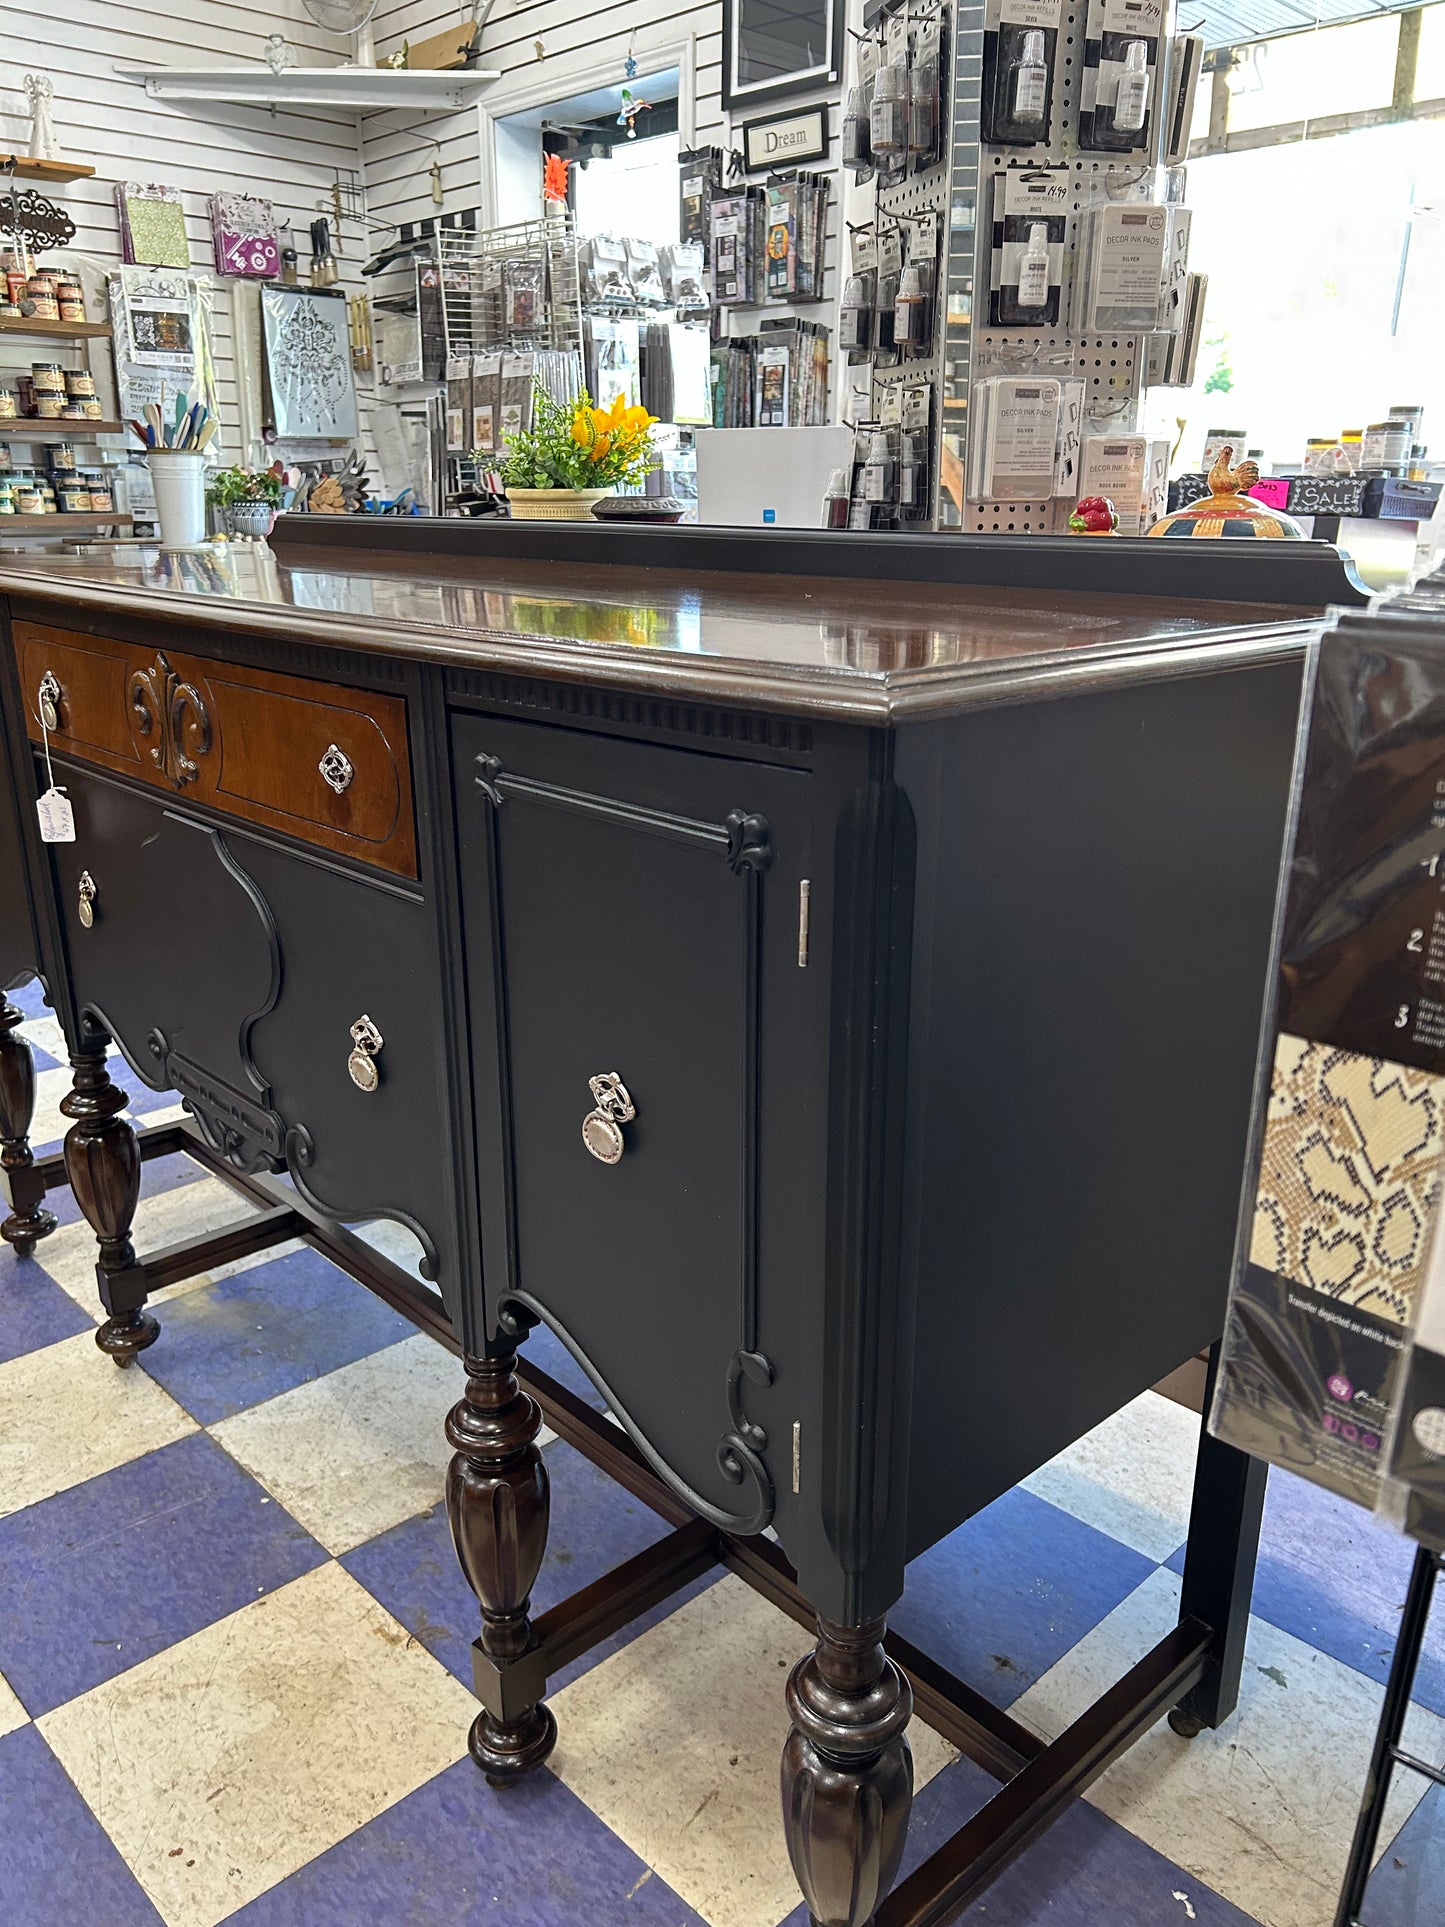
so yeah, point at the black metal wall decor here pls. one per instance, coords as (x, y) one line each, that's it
(34, 222)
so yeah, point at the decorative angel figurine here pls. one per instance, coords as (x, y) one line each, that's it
(280, 54)
(43, 144)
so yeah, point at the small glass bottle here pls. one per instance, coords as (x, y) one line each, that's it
(857, 150)
(1034, 268)
(910, 310)
(1131, 103)
(855, 315)
(876, 481)
(1029, 93)
(923, 110)
(835, 500)
(888, 114)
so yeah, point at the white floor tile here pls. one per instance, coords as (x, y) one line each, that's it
(1131, 1477)
(12, 1713)
(223, 1764)
(1263, 1810)
(68, 1413)
(45, 1034)
(356, 1452)
(188, 1211)
(675, 1744)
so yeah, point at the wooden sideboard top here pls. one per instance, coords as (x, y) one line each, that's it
(857, 650)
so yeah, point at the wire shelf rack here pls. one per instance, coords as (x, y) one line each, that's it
(514, 287)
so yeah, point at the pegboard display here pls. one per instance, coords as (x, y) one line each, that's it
(959, 191)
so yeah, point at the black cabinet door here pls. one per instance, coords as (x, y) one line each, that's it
(173, 950)
(634, 910)
(232, 971)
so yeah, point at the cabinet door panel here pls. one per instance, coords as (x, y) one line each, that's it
(637, 909)
(178, 958)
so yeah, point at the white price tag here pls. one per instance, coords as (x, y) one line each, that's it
(57, 818)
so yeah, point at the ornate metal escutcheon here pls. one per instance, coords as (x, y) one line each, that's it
(368, 1040)
(48, 702)
(175, 713)
(336, 769)
(602, 1128)
(87, 894)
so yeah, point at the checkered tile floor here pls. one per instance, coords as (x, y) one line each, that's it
(234, 1641)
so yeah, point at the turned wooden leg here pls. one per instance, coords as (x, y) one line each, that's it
(21, 1185)
(498, 1501)
(847, 1773)
(102, 1161)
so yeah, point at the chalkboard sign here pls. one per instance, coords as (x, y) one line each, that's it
(1341, 1207)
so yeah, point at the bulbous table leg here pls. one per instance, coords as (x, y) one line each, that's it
(102, 1161)
(498, 1501)
(847, 1773)
(21, 1185)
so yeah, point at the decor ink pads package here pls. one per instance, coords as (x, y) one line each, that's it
(1339, 1225)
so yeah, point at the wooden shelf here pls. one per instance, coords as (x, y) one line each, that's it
(30, 430)
(29, 328)
(27, 169)
(59, 524)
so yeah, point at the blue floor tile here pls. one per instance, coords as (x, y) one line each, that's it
(43, 1060)
(1004, 1597)
(458, 1854)
(1086, 1871)
(234, 1344)
(57, 1865)
(31, 999)
(99, 1577)
(1335, 1579)
(1407, 1887)
(34, 1311)
(595, 1525)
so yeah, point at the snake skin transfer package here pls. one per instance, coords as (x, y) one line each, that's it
(1342, 1193)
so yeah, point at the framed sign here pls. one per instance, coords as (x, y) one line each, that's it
(784, 139)
(775, 48)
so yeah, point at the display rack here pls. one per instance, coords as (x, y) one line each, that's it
(1388, 1752)
(476, 267)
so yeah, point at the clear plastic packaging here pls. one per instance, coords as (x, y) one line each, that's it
(888, 111)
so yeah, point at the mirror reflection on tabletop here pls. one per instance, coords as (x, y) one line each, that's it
(810, 622)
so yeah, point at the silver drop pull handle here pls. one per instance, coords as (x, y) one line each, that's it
(602, 1128)
(87, 894)
(366, 1040)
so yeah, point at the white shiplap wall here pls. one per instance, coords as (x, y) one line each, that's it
(291, 158)
(581, 47)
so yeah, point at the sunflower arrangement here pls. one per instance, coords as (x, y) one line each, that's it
(578, 445)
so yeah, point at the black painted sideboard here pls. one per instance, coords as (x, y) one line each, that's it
(828, 1004)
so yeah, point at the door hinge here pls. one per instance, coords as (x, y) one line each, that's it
(805, 891)
(797, 1452)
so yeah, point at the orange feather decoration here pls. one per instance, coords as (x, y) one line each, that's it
(554, 177)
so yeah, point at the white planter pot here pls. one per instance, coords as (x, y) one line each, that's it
(179, 477)
(554, 504)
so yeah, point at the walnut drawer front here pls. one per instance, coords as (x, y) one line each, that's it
(315, 760)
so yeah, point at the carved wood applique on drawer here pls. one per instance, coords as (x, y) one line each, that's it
(315, 760)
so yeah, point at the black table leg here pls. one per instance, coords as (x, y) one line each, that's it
(847, 1773)
(1224, 1522)
(499, 1502)
(22, 1185)
(1387, 1754)
(102, 1161)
